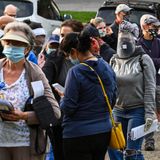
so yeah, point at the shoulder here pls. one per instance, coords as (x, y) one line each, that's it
(33, 69)
(147, 61)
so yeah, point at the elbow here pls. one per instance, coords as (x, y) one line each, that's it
(57, 112)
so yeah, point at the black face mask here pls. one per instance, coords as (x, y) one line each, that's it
(126, 17)
(126, 49)
(153, 32)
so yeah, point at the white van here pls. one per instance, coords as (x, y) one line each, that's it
(45, 12)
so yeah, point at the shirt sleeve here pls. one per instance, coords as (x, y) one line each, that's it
(149, 86)
(69, 103)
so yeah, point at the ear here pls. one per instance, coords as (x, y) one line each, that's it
(93, 40)
(73, 53)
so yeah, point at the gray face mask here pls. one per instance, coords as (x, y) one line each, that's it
(126, 45)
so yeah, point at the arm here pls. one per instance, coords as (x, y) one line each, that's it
(34, 73)
(49, 70)
(47, 93)
(149, 86)
(69, 103)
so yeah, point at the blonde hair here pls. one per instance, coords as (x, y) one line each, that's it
(96, 21)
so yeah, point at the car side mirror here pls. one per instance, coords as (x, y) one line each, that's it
(67, 16)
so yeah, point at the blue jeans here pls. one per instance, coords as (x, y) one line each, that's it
(49, 155)
(129, 118)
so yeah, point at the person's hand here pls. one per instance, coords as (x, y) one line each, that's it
(15, 115)
(148, 124)
(41, 59)
(109, 30)
(60, 93)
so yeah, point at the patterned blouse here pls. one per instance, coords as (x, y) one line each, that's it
(15, 134)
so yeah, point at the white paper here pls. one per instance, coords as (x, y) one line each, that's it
(138, 132)
(38, 88)
(159, 71)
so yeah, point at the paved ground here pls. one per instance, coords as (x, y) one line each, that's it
(154, 155)
(151, 155)
(79, 5)
(83, 5)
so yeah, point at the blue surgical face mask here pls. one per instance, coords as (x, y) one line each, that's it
(14, 54)
(102, 33)
(74, 61)
(49, 50)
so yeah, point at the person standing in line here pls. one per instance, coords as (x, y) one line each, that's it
(151, 45)
(99, 47)
(56, 68)
(4, 20)
(21, 138)
(122, 14)
(86, 122)
(50, 47)
(105, 32)
(10, 10)
(136, 84)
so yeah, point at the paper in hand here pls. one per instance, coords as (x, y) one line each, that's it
(38, 88)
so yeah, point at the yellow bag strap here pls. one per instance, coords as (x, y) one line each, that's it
(104, 92)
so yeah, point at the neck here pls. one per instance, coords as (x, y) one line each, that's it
(89, 56)
(147, 36)
(14, 66)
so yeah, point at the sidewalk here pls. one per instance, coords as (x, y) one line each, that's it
(79, 5)
(154, 155)
(151, 155)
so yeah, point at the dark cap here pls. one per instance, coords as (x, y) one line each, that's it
(54, 39)
(91, 30)
(152, 20)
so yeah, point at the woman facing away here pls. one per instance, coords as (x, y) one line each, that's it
(19, 130)
(86, 122)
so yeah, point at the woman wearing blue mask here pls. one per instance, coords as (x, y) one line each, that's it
(19, 127)
(86, 122)
(49, 48)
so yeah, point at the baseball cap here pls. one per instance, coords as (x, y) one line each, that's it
(122, 7)
(54, 39)
(15, 37)
(152, 20)
(91, 31)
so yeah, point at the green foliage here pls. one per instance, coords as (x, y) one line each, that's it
(81, 16)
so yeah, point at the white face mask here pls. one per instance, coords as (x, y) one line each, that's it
(102, 32)
(49, 50)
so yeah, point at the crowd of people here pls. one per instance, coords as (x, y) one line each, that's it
(124, 55)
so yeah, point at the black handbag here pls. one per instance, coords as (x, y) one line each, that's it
(44, 112)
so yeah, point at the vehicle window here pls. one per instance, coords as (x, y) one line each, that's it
(109, 14)
(25, 8)
(48, 10)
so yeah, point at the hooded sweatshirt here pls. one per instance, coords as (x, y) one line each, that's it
(136, 82)
(84, 107)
